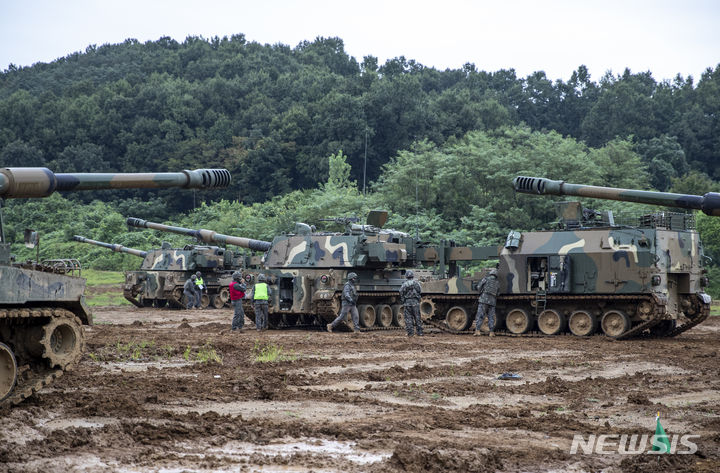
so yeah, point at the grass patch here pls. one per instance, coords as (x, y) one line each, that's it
(106, 299)
(715, 309)
(270, 353)
(133, 350)
(95, 277)
(204, 354)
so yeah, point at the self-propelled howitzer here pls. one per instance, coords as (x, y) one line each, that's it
(627, 279)
(160, 279)
(307, 270)
(42, 306)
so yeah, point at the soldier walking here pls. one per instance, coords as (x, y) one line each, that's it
(349, 304)
(189, 292)
(261, 294)
(410, 292)
(488, 289)
(237, 294)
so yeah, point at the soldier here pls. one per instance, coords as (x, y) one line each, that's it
(261, 294)
(199, 286)
(237, 294)
(410, 293)
(190, 292)
(349, 304)
(488, 289)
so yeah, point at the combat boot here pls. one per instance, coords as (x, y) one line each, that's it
(329, 328)
(477, 333)
(492, 334)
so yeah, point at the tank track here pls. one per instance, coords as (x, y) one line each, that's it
(128, 294)
(37, 341)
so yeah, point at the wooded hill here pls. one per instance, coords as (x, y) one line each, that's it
(442, 146)
(272, 114)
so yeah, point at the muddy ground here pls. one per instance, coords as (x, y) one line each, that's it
(148, 396)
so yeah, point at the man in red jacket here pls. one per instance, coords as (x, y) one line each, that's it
(237, 294)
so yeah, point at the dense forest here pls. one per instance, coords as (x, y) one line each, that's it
(310, 132)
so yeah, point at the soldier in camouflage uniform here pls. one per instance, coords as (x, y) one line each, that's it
(189, 292)
(410, 293)
(349, 304)
(488, 289)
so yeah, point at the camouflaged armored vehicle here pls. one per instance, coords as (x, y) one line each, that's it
(42, 305)
(594, 273)
(159, 280)
(307, 270)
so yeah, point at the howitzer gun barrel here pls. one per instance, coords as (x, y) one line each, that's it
(111, 246)
(41, 182)
(708, 203)
(207, 236)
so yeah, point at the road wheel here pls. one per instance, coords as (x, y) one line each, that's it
(427, 308)
(367, 315)
(61, 341)
(518, 321)
(384, 315)
(582, 323)
(644, 310)
(8, 371)
(615, 323)
(224, 294)
(551, 322)
(398, 315)
(216, 301)
(204, 301)
(457, 318)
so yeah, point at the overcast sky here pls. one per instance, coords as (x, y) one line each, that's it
(666, 37)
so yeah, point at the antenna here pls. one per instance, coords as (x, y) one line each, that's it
(365, 164)
(417, 207)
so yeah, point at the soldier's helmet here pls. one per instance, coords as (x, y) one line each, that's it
(237, 276)
(193, 277)
(352, 277)
(198, 274)
(409, 274)
(261, 278)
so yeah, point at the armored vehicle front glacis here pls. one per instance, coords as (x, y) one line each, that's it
(42, 306)
(593, 273)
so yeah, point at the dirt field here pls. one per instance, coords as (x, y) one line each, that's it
(148, 397)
